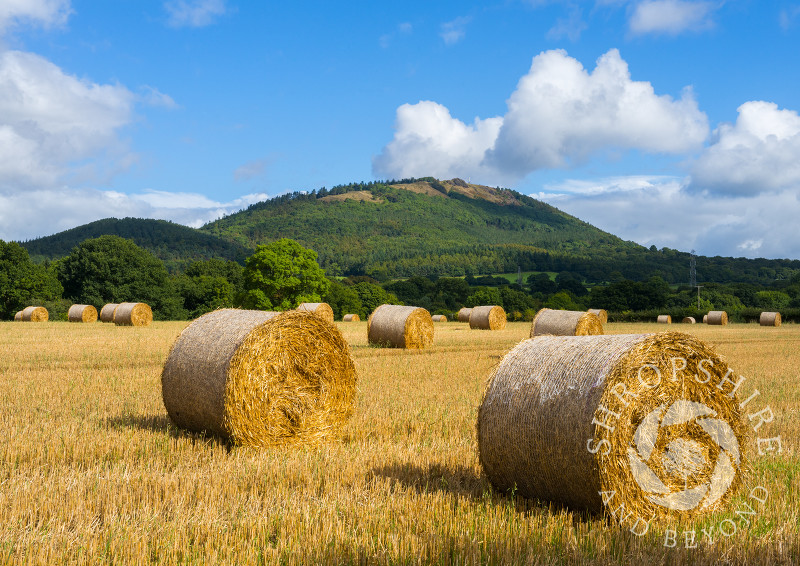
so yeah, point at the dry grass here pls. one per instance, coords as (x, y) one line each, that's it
(92, 471)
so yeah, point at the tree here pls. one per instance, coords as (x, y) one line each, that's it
(372, 296)
(110, 269)
(344, 300)
(22, 282)
(281, 275)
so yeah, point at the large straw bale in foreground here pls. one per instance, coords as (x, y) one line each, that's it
(664, 319)
(351, 318)
(463, 314)
(602, 314)
(133, 314)
(565, 323)
(567, 417)
(107, 312)
(322, 310)
(35, 314)
(717, 318)
(490, 317)
(260, 378)
(770, 319)
(82, 313)
(439, 318)
(397, 326)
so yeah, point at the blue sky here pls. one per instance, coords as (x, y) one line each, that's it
(666, 122)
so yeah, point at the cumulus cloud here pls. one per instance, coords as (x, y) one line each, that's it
(47, 13)
(559, 116)
(760, 152)
(671, 17)
(53, 125)
(194, 13)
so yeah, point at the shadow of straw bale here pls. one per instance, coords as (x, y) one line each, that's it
(458, 480)
(161, 423)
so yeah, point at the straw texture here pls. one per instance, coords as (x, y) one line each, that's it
(491, 317)
(133, 314)
(351, 318)
(398, 326)
(664, 319)
(82, 313)
(260, 378)
(717, 318)
(770, 319)
(689, 320)
(602, 314)
(547, 407)
(439, 318)
(34, 314)
(107, 312)
(463, 314)
(322, 310)
(565, 323)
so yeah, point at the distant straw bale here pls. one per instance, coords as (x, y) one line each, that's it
(133, 314)
(322, 310)
(566, 418)
(34, 314)
(82, 313)
(770, 319)
(602, 314)
(664, 319)
(18, 316)
(489, 317)
(565, 323)
(351, 318)
(439, 318)
(463, 314)
(107, 312)
(705, 319)
(717, 318)
(397, 326)
(260, 378)
(688, 320)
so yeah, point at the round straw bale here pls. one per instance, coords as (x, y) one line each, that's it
(439, 318)
(133, 314)
(322, 310)
(602, 314)
(260, 378)
(688, 320)
(491, 317)
(82, 313)
(565, 418)
(717, 318)
(664, 319)
(397, 326)
(35, 314)
(107, 312)
(705, 319)
(463, 314)
(18, 316)
(770, 319)
(351, 318)
(565, 323)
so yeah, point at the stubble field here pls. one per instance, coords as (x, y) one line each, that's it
(92, 470)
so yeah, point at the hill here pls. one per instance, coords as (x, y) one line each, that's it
(176, 245)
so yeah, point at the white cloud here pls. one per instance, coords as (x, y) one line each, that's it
(54, 126)
(251, 169)
(559, 116)
(153, 97)
(454, 31)
(671, 17)
(570, 27)
(760, 152)
(788, 16)
(194, 13)
(47, 13)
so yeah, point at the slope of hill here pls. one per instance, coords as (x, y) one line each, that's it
(176, 245)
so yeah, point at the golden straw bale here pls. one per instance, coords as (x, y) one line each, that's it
(705, 319)
(463, 314)
(565, 418)
(688, 320)
(717, 318)
(565, 323)
(322, 310)
(260, 378)
(35, 314)
(602, 314)
(107, 312)
(133, 314)
(18, 316)
(664, 319)
(82, 313)
(397, 326)
(490, 317)
(439, 318)
(770, 319)
(351, 318)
